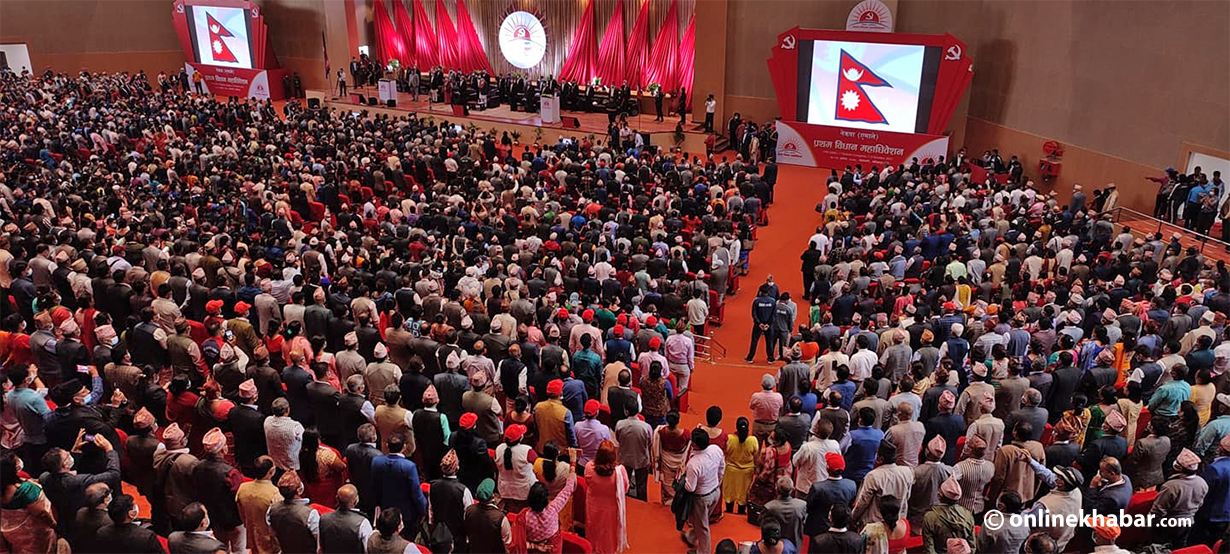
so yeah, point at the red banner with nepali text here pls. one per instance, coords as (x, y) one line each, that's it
(836, 147)
(263, 84)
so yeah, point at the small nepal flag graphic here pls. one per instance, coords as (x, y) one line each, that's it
(853, 104)
(221, 52)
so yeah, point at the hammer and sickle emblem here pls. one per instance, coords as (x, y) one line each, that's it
(179, 8)
(953, 53)
(256, 12)
(788, 42)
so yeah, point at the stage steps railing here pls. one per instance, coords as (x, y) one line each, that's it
(1143, 224)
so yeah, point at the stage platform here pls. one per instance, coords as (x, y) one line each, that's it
(595, 123)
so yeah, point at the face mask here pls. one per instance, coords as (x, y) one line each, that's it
(136, 512)
(71, 462)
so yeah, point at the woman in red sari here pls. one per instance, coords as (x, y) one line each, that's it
(322, 469)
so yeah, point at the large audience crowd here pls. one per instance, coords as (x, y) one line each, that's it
(310, 332)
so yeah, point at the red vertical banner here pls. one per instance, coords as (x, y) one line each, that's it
(470, 53)
(405, 30)
(424, 39)
(687, 58)
(638, 48)
(583, 52)
(611, 49)
(661, 68)
(446, 37)
(388, 44)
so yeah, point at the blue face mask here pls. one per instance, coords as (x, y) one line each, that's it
(114, 341)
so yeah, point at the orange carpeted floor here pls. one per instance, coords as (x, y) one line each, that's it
(729, 382)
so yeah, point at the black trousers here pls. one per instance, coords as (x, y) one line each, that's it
(708, 122)
(757, 333)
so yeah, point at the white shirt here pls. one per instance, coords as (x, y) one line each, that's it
(861, 363)
(704, 470)
(809, 464)
(710, 105)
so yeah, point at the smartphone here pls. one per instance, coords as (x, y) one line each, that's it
(83, 369)
(89, 437)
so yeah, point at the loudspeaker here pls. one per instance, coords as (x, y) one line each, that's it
(391, 103)
(570, 122)
(358, 98)
(460, 110)
(313, 103)
(372, 101)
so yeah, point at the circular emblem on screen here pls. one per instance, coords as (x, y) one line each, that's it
(523, 41)
(870, 15)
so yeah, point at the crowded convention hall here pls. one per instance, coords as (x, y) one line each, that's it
(423, 277)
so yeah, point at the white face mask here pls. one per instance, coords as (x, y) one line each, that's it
(136, 512)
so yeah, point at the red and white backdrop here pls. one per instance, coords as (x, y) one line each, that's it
(642, 41)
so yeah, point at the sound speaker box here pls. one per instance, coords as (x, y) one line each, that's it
(460, 110)
(313, 103)
(391, 103)
(372, 101)
(359, 99)
(570, 122)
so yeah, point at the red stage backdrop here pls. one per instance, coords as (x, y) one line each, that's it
(837, 147)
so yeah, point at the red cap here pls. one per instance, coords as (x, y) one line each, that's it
(587, 315)
(618, 331)
(562, 313)
(425, 487)
(651, 321)
(555, 387)
(241, 308)
(514, 432)
(950, 306)
(591, 407)
(835, 461)
(213, 307)
(655, 343)
(468, 420)
(622, 319)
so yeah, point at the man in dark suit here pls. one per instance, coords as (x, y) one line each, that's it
(248, 427)
(295, 379)
(1065, 380)
(123, 535)
(324, 399)
(839, 538)
(399, 480)
(91, 517)
(1030, 413)
(65, 488)
(195, 538)
(359, 458)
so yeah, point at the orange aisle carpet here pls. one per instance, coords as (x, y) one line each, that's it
(729, 382)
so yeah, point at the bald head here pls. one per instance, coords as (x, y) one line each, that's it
(347, 497)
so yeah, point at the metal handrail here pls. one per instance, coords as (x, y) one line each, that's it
(1162, 226)
(708, 349)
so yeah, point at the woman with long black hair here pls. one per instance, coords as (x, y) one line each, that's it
(741, 449)
(554, 469)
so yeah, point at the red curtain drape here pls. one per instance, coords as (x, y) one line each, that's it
(687, 56)
(424, 45)
(582, 56)
(611, 50)
(389, 44)
(470, 53)
(405, 32)
(638, 47)
(446, 36)
(661, 66)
